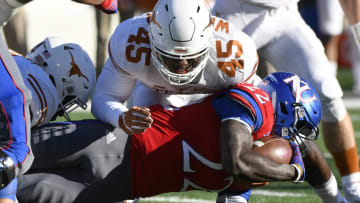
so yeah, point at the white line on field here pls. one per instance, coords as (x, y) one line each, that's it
(277, 194)
(175, 199)
(255, 192)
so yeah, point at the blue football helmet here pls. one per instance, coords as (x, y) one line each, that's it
(297, 106)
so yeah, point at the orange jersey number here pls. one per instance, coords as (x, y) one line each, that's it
(141, 37)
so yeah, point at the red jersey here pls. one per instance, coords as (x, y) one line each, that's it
(181, 149)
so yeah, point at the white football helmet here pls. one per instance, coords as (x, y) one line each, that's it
(180, 30)
(70, 69)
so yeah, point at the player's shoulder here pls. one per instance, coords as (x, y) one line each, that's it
(249, 91)
(225, 29)
(129, 46)
(25, 65)
(232, 52)
(33, 73)
(131, 25)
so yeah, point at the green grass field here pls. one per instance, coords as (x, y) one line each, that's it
(272, 193)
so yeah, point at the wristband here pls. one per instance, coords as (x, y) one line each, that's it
(299, 172)
(109, 6)
(355, 29)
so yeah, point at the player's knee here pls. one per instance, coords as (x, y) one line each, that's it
(333, 110)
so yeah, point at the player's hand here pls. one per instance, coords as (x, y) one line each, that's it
(135, 120)
(109, 6)
(297, 162)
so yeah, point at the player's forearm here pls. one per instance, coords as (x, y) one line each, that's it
(107, 108)
(111, 91)
(240, 161)
(351, 10)
(253, 167)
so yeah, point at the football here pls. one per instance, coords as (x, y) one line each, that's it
(275, 148)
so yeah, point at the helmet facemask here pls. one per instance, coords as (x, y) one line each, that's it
(179, 69)
(69, 101)
(302, 128)
(180, 34)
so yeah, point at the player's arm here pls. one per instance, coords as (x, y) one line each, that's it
(112, 89)
(351, 10)
(242, 162)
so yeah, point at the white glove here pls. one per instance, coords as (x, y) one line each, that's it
(8, 10)
(135, 120)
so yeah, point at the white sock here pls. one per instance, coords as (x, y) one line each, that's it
(333, 67)
(351, 186)
(351, 178)
(329, 191)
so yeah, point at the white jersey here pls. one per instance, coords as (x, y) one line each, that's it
(44, 103)
(226, 6)
(232, 59)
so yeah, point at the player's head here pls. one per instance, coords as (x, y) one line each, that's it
(70, 69)
(180, 33)
(296, 104)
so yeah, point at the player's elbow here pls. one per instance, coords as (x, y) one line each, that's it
(242, 169)
(236, 168)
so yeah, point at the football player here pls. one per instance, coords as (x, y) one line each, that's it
(171, 155)
(60, 76)
(175, 56)
(292, 46)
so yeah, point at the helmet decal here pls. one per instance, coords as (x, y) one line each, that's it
(298, 88)
(153, 20)
(211, 22)
(75, 70)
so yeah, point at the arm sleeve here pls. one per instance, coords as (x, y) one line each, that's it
(113, 88)
(234, 110)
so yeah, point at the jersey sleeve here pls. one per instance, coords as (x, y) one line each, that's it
(249, 55)
(119, 74)
(111, 91)
(248, 104)
(229, 108)
(116, 49)
(236, 53)
(129, 47)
